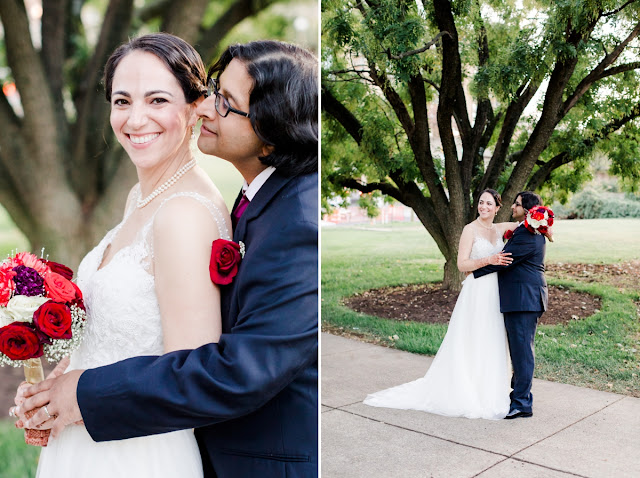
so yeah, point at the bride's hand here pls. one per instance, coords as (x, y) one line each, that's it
(501, 259)
(549, 234)
(19, 399)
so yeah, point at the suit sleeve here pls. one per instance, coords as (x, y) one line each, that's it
(521, 248)
(275, 338)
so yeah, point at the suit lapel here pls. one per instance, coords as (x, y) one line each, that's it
(266, 193)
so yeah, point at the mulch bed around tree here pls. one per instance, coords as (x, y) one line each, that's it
(428, 303)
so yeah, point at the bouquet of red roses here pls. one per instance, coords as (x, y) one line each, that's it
(539, 219)
(41, 314)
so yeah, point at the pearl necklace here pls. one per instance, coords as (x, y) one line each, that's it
(482, 225)
(167, 184)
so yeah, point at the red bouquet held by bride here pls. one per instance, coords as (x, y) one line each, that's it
(41, 314)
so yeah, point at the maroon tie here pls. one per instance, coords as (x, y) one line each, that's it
(239, 210)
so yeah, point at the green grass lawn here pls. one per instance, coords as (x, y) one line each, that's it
(602, 351)
(17, 460)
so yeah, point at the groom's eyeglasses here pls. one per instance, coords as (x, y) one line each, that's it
(222, 104)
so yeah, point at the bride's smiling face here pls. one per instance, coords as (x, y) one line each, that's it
(149, 113)
(487, 207)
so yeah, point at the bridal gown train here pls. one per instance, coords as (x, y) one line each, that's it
(123, 321)
(471, 373)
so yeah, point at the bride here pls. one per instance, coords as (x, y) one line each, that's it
(146, 284)
(471, 373)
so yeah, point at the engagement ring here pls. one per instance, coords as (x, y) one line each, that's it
(47, 412)
(12, 412)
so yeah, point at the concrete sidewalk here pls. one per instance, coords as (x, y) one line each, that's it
(573, 432)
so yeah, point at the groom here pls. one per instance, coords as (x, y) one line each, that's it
(523, 299)
(253, 396)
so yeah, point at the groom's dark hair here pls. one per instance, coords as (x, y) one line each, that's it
(283, 103)
(529, 199)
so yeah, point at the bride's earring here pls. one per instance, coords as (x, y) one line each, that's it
(193, 133)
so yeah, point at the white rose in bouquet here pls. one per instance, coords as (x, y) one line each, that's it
(5, 318)
(22, 307)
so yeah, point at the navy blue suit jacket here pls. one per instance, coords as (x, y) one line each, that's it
(523, 286)
(253, 396)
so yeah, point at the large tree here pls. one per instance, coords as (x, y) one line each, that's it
(430, 103)
(63, 176)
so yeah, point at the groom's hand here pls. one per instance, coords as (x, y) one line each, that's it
(59, 395)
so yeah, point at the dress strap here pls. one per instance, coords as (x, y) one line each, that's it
(131, 206)
(217, 215)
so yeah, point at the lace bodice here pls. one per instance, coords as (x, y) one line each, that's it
(483, 247)
(123, 315)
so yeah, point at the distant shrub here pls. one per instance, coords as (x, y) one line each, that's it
(591, 204)
(621, 208)
(587, 204)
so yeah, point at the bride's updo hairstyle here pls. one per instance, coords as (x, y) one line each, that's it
(496, 196)
(180, 58)
(283, 103)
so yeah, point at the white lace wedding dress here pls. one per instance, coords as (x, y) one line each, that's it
(471, 373)
(123, 321)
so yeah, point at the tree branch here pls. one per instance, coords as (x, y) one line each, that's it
(451, 89)
(421, 145)
(472, 157)
(552, 112)
(620, 69)
(183, 19)
(155, 10)
(599, 71)
(451, 104)
(238, 11)
(11, 197)
(432, 83)
(341, 114)
(351, 183)
(12, 146)
(618, 10)
(511, 118)
(37, 102)
(353, 70)
(405, 54)
(93, 118)
(544, 172)
(8, 119)
(54, 37)
(381, 80)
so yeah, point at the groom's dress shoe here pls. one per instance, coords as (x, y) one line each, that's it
(517, 414)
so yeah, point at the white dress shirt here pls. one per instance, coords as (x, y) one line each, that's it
(250, 190)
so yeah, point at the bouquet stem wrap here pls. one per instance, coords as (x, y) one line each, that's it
(34, 373)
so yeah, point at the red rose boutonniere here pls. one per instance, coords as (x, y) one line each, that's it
(225, 258)
(508, 234)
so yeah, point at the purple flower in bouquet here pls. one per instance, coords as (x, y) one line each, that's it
(28, 281)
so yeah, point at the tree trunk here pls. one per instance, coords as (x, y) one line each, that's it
(452, 276)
